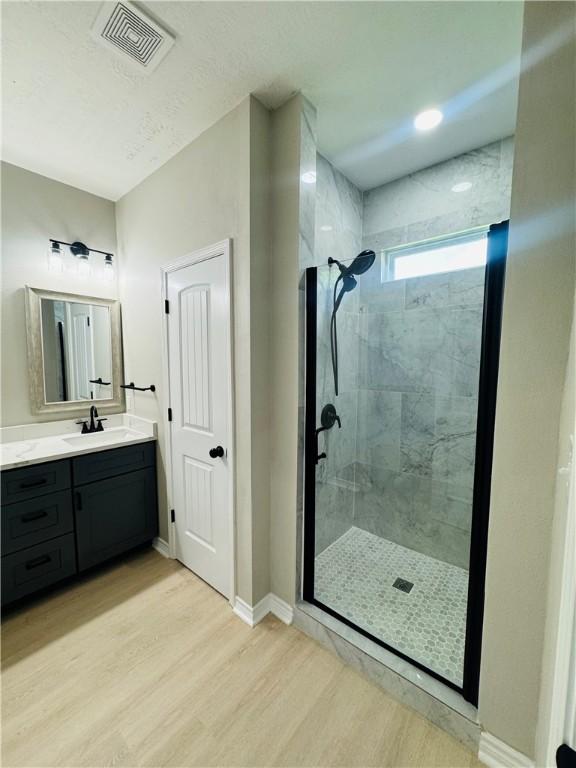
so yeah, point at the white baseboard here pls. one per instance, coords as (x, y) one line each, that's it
(497, 754)
(161, 546)
(253, 615)
(281, 609)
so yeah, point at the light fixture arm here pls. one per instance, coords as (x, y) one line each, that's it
(80, 249)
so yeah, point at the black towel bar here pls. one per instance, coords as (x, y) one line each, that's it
(151, 388)
(99, 381)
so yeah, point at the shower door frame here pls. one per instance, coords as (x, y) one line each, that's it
(488, 380)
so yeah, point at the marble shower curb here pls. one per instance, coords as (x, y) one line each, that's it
(417, 690)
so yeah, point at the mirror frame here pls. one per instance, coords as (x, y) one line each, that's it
(114, 404)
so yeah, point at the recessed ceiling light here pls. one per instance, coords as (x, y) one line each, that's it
(462, 186)
(428, 119)
(326, 228)
(309, 177)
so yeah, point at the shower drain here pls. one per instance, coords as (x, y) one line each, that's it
(403, 585)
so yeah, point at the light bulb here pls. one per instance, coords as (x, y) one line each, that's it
(428, 119)
(108, 267)
(55, 262)
(83, 266)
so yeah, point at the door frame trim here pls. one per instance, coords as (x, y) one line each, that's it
(222, 248)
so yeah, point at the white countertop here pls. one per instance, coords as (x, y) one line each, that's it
(49, 441)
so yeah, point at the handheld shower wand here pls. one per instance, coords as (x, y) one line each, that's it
(361, 264)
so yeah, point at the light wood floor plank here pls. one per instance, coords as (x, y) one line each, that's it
(143, 664)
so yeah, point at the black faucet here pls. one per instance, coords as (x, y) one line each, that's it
(93, 418)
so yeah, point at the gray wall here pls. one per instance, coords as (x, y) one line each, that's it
(201, 196)
(34, 209)
(538, 308)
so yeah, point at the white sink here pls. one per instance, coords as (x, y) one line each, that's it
(107, 437)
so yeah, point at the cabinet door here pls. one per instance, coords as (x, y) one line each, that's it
(114, 515)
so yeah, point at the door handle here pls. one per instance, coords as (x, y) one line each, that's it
(216, 453)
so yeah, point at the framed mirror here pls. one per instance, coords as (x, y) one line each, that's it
(74, 352)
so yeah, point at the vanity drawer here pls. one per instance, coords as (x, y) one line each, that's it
(31, 522)
(37, 567)
(97, 466)
(29, 482)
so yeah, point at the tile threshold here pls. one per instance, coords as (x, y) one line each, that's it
(437, 702)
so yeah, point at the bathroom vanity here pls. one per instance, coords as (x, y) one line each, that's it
(96, 500)
(74, 495)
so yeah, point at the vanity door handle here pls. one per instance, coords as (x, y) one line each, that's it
(34, 483)
(31, 516)
(37, 562)
(78, 500)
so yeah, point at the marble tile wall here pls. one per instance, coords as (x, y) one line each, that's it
(338, 233)
(402, 465)
(418, 366)
(306, 226)
(422, 205)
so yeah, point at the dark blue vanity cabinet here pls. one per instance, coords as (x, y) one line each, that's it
(63, 517)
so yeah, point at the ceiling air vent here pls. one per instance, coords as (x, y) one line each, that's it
(126, 29)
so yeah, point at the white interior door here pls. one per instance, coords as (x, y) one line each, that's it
(199, 357)
(81, 353)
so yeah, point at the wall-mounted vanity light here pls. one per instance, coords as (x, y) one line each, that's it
(55, 260)
(80, 262)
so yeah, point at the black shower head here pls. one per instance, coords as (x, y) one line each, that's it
(361, 264)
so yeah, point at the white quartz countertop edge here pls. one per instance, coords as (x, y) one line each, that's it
(29, 444)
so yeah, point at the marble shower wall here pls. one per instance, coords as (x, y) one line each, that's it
(422, 204)
(418, 367)
(401, 467)
(338, 233)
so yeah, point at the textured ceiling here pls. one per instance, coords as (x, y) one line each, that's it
(75, 111)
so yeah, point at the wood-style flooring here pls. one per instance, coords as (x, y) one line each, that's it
(143, 664)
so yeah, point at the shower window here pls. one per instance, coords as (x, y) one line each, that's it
(464, 251)
(398, 456)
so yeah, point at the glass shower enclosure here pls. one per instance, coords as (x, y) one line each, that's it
(401, 370)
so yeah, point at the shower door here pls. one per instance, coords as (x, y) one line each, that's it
(398, 462)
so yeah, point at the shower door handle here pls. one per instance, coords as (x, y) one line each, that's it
(319, 455)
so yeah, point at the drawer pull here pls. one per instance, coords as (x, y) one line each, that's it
(34, 483)
(31, 516)
(78, 500)
(37, 562)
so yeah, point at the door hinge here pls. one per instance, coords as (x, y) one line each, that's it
(172, 516)
(166, 306)
(169, 414)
